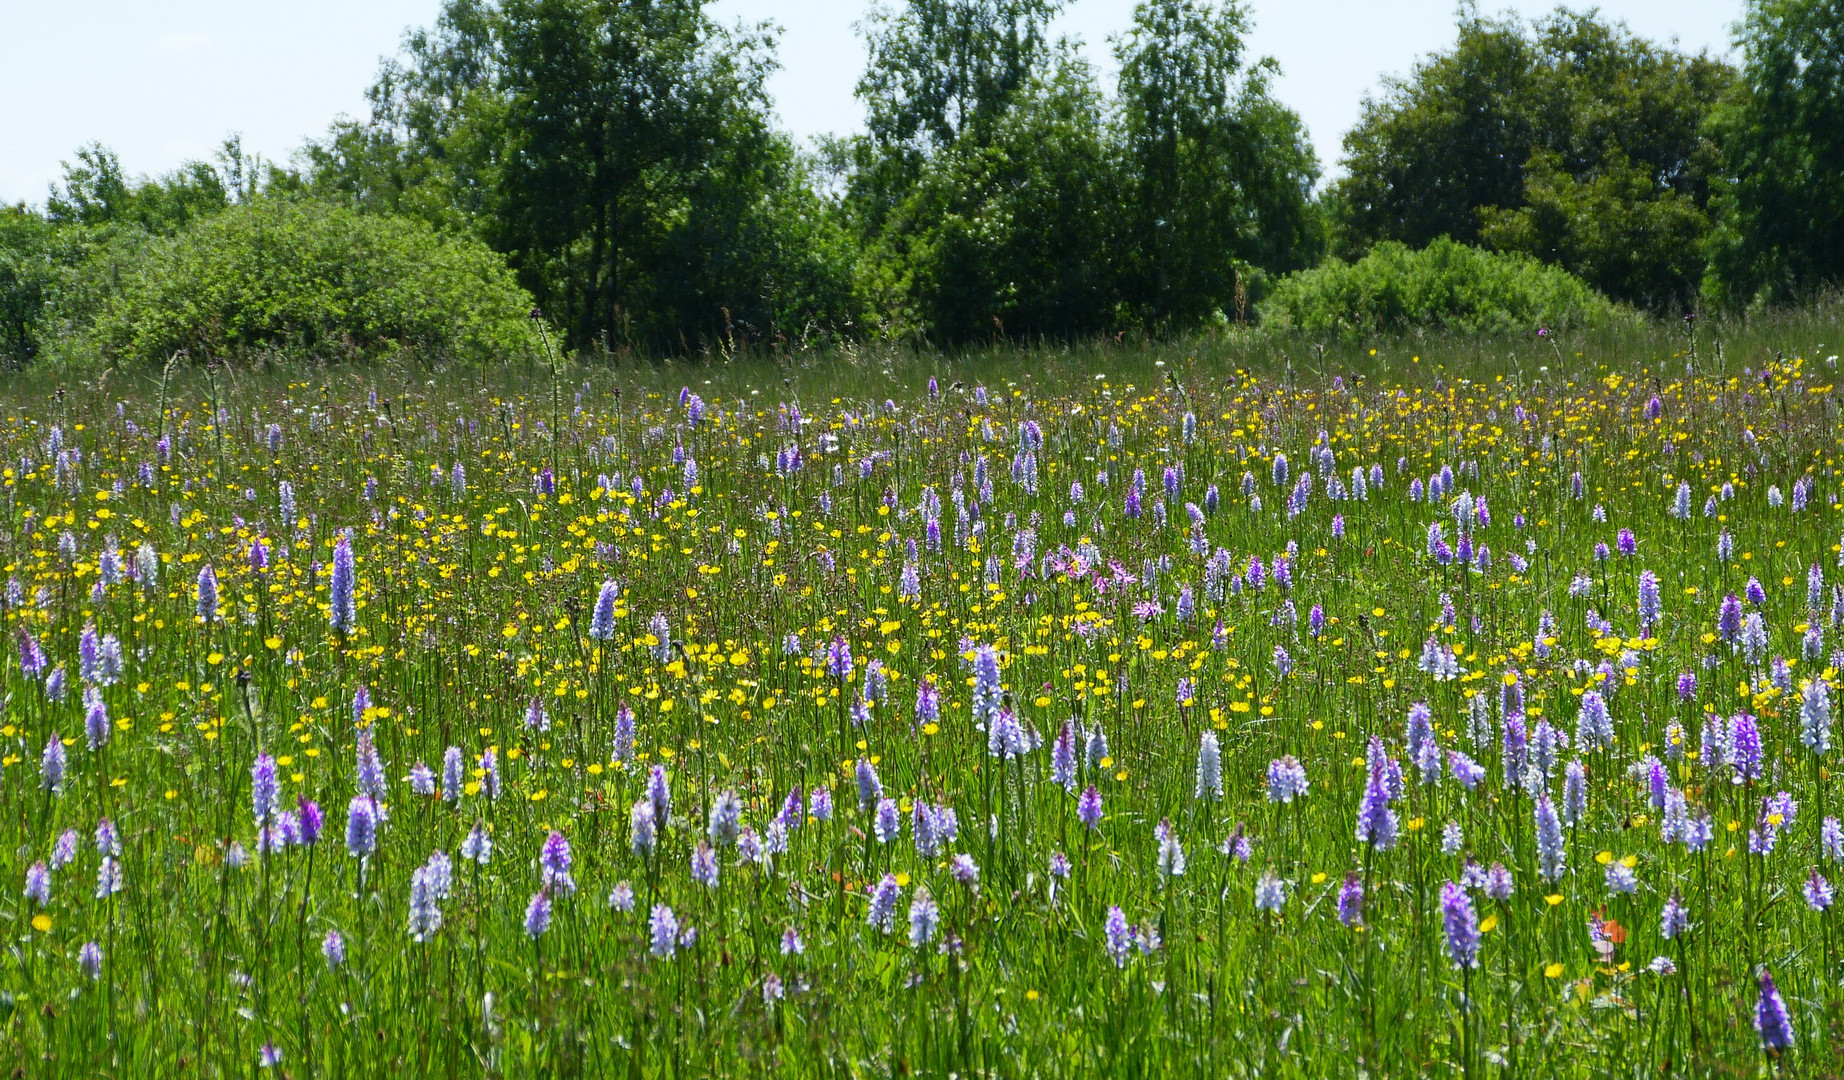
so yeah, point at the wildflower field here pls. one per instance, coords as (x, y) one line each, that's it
(1187, 722)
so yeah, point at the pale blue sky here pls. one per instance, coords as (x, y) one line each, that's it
(164, 80)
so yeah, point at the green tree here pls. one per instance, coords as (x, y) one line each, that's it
(96, 191)
(417, 153)
(1009, 235)
(1219, 174)
(34, 259)
(1441, 143)
(999, 192)
(1572, 140)
(1781, 205)
(95, 205)
(941, 69)
(938, 71)
(619, 153)
(1615, 229)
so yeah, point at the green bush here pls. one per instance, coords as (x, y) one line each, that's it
(36, 258)
(303, 279)
(1446, 285)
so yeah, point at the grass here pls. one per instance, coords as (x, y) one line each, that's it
(734, 592)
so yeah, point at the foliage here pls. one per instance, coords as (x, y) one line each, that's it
(621, 156)
(1615, 230)
(941, 70)
(1218, 174)
(1782, 201)
(97, 207)
(619, 153)
(937, 70)
(30, 271)
(1000, 192)
(96, 191)
(1445, 284)
(1573, 141)
(1009, 235)
(298, 277)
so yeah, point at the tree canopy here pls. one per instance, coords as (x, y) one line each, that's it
(1781, 193)
(1000, 191)
(619, 153)
(1569, 139)
(1219, 174)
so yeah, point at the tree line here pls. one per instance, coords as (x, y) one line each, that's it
(621, 158)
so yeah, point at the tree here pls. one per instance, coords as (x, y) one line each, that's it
(43, 292)
(1452, 137)
(95, 189)
(941, 69)
(1781, 203)
(974, 166)
(96, 192)
(607, 114)
(938, 71)
(1009, 235)
(618, 152)
(1219, 174)
(1571, 140)
(1001, 193)
(1614, 229)
(33, 262)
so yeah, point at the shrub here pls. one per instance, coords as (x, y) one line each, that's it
(302, 278)
(35, 258)
(1446, 285)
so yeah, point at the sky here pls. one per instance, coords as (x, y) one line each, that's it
(164, 81)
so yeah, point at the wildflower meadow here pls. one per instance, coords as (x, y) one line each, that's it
(1174, 722)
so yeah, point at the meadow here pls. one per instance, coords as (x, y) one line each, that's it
(1093, 714)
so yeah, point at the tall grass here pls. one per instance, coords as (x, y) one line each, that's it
(757, 526)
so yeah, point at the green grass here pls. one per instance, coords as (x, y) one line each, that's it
(472, 602)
